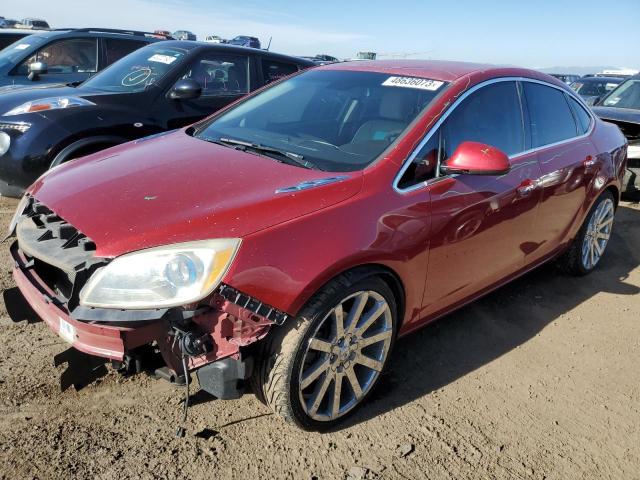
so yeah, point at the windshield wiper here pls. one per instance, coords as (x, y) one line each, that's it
(283, 155)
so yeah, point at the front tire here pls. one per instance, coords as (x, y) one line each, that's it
(323, 365)
(589, 246)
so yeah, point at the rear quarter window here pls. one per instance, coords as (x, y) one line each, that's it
(582, 117)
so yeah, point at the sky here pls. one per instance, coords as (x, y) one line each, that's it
(538, 33)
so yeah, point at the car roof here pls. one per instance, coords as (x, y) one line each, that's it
(226, 48)
(445, 71)
(95, 32)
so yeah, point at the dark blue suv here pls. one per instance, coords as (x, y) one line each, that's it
(245, 41)
(67, 56)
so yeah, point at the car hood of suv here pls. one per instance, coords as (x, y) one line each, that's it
(175, 188)
(14, 95)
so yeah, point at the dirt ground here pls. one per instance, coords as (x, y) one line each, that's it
(540, 379)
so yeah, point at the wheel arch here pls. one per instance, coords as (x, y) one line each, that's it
(360, 272)
(615, 191)
(78, 145)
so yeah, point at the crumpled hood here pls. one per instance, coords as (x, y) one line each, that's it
(175, 188)
(628, 115)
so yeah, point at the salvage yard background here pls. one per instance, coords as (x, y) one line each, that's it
(540, 379)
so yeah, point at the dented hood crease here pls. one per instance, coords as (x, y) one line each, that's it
(175, 188)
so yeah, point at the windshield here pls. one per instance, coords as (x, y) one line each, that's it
(627, 95)
(14, 53)
(335, 120)
(138, 70)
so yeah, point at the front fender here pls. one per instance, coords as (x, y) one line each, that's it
(285, 265)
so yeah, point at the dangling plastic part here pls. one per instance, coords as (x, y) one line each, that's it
(181, 431)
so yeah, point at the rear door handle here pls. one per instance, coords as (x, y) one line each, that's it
(590, 164)
(526, 188)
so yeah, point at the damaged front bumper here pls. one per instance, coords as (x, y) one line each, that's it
(102, 340)
(53, 261)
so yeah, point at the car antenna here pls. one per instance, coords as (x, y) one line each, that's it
(269, 44)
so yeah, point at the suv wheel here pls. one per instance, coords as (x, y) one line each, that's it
(324, 364)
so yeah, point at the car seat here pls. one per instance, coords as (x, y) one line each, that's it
(394, 111)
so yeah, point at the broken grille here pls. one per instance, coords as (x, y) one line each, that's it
(62, 255)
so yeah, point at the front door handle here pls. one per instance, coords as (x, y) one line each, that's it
(526, 188)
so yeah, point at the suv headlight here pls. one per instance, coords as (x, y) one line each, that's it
(53, 103)
(161, 277)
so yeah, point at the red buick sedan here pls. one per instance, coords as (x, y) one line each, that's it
(286, 241)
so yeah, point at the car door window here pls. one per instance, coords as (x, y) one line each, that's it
(220, 75)
(582, 117)
(492, 115)
(549, 113)
(273, 70)
(116, 48)
(72, 55)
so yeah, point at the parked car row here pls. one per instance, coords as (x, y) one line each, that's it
(8, 23)
(160, 87)
(565, 77)
(240, 40)
(592, 88)
(289, 239)
(322, 59)
(67, 56)
(621, 106)
(26, 23)
(178, 34)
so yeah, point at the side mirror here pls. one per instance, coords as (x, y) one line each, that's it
(475, 158)
(185, 89)
(36, 69)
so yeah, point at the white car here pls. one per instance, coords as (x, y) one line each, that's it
(213, 39)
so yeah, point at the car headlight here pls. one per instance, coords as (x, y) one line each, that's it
(53, 103)
(24, 201)
(161, 277)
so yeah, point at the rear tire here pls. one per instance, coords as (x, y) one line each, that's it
(587, 249)
(311, 371)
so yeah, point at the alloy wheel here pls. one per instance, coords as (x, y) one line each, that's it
(597, 234)
(345, 355)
